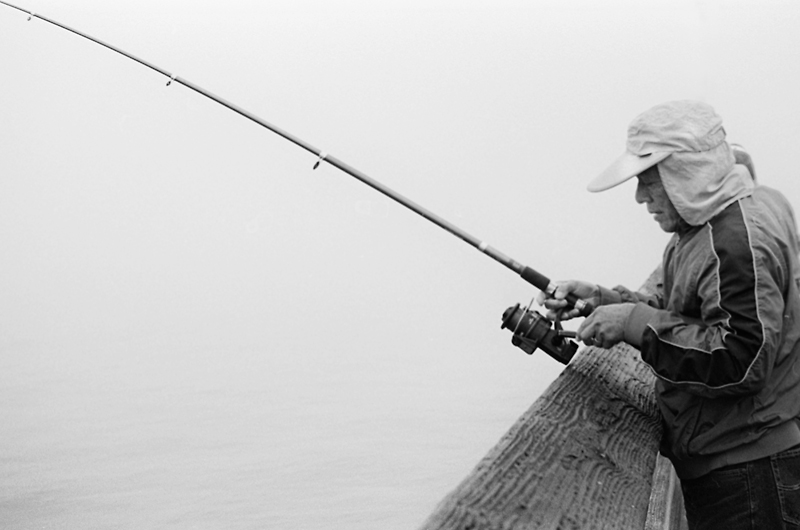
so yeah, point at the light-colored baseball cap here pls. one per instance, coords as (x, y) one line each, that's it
(673, 127)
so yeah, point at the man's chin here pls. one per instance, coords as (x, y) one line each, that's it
(667, 227)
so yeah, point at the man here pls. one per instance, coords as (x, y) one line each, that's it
(723, 334)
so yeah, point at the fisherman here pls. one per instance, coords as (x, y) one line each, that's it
(722, 335)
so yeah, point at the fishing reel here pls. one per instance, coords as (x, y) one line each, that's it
(532, 330)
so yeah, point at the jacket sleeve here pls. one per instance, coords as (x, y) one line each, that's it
(621, 295)
(653, 300)
(730, 349)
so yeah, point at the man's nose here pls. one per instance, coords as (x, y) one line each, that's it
(641, 194)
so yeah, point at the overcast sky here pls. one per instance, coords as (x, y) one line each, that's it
(135, 212)
(124, 200)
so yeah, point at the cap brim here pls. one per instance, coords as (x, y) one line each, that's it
(625, 168)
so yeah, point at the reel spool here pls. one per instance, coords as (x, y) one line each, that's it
(532, 330)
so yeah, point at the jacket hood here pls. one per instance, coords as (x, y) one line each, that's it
(702, 184)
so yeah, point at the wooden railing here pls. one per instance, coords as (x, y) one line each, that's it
(584, 456)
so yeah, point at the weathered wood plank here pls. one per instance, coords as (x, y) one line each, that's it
(666, 500)
(583, 455)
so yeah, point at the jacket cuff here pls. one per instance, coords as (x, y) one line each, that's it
(608, 296)
(636, 324)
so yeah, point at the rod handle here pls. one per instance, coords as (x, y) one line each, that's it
(543, 283)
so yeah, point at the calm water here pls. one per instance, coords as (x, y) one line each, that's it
(177, 436)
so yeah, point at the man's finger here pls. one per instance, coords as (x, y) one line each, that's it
(562, 290)
(562, 315)
(586, 330)
(552, 303)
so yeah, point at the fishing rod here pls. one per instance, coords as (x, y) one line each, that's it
(530, 329)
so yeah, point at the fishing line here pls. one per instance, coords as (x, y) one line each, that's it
(528, 274)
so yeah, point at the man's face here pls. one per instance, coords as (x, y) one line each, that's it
(650, 191)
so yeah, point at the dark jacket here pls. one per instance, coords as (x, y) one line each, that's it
(723, 336)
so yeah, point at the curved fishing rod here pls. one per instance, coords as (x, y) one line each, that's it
(530, 275)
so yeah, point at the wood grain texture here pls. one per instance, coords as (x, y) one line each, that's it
(583, 456)
(666, 500)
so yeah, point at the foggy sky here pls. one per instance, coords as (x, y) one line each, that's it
(139, 216)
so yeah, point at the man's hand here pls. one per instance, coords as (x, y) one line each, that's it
(583, 290)
(605, 326)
